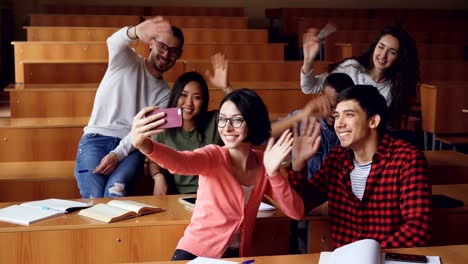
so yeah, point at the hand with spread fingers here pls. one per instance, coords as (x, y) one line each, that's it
(151, 28)
(144, 127)
(310, 47)
(306, 142)
(276, 152)
(219, 76)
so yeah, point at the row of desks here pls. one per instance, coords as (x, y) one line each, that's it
(224, 35)
(154, 237)
(60, 20)
(448, 254)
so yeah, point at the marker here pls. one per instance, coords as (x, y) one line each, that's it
(45, 208)
(248, 261)
(82, 171)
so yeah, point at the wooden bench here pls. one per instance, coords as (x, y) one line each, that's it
(417, 19)
(95, 9)
(143, 10)
(197, 11)
(231, 22)
(74, 71)
(453, 52)
(258, 71)
(40, 139)
(59, 20)
(196, 35)
(95, 51)
(36, 180)
(43, 101)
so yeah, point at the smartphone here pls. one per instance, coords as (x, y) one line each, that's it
(173, 117)
(406, 257)
(188, 201)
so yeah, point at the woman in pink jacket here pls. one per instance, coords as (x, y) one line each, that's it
(233, 178)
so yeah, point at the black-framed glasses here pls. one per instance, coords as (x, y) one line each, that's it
(171, 51)
(236, 122)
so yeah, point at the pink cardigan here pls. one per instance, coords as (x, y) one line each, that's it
(220, 211)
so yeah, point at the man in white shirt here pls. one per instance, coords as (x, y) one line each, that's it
(107, 164)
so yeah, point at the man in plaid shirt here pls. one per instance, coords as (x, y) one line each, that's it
(376, 186)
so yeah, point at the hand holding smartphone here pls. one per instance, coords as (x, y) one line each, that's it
(173, 117)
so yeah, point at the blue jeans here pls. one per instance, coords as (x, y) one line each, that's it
(91, 150)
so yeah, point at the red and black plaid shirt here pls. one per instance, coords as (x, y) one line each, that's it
(395, 208)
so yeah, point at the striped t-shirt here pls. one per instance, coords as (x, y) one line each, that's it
(359, 178)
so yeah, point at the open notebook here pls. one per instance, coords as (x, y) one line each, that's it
(366, 251)
(31, 212)
(116, 210)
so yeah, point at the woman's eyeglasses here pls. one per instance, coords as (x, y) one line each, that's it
(236, 122)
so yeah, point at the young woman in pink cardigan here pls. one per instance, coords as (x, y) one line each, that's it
(233, 178)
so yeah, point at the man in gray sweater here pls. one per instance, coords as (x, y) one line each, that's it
(106, 164)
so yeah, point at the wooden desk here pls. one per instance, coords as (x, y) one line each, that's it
(448, 254)
(426, 52)
(92, 51)
(59, 20)
(72, 238)
(69, 100)
(48, 71)
(190, 34)
(447, 167)
(40, 139)
(37, 180)
(449, 225)
(442, 107)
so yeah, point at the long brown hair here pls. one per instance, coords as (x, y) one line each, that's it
(404, 73)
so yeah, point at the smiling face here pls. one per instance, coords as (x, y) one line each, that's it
(161, 58)
(353, 127)
(190, 101)
(231, 136)
(385, 52)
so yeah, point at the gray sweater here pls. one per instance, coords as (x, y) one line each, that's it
(314, 84)
(125, 89)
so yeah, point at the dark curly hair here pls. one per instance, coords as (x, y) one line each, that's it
(404, 74)
(176, 91)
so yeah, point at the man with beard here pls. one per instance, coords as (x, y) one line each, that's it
(107, 165)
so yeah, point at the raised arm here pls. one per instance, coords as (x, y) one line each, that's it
(318, 106)
(415, 206)
(290, 202)
(219, 76)
(311, 46)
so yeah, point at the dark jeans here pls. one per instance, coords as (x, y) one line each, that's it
(181, 254)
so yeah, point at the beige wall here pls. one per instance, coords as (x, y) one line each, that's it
(254, 9)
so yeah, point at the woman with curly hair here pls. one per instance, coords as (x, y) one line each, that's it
(391, 64)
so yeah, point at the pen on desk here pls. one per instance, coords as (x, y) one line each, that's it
(248, 261)
(82, 171)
